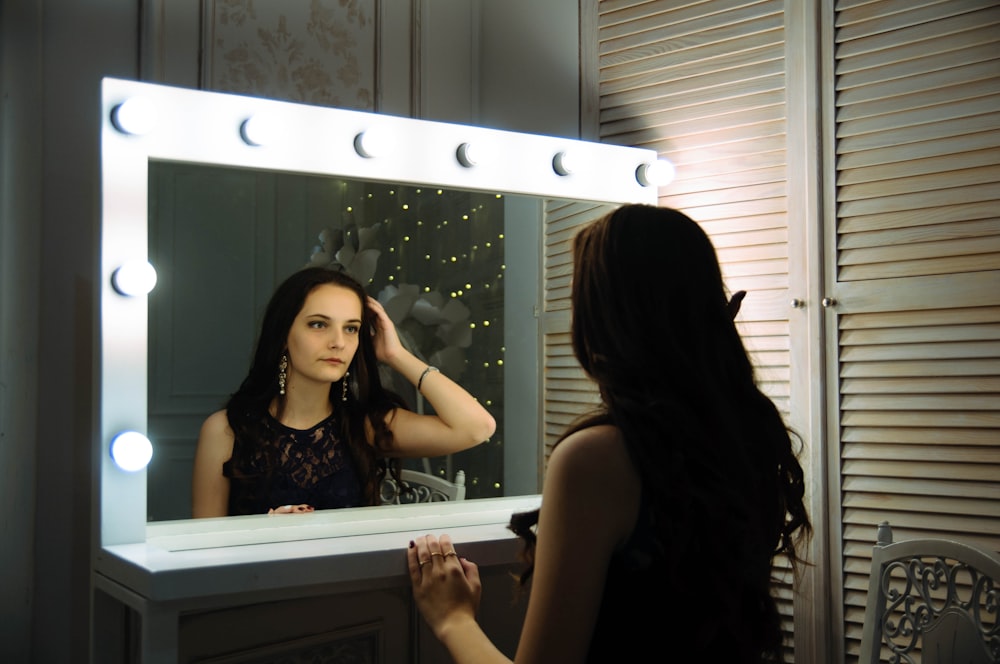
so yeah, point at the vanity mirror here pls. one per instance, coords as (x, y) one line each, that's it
(224, 195)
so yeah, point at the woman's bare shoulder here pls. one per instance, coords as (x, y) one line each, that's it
(595, 450)
(585, 468)
(216, 424)
(215, 440)
(597, 438)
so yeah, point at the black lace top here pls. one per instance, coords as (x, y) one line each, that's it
(311, 466)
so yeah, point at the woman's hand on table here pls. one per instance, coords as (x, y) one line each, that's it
(292, 509)
(446, 587)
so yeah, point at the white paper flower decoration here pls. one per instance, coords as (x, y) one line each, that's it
(447, 321)
(357, 257)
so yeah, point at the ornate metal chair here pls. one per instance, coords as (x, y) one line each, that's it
(426, 488)
(931, 601)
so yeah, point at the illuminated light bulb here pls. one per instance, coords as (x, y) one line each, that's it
(564, 163)
(469, 155)
(135, 277)
(373, 143)
(135, 116)
(655, 174)
(259, 130)
(131, 451)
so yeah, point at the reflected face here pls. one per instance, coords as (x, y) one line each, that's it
(324, 336)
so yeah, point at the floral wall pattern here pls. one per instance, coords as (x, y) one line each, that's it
(318, 52)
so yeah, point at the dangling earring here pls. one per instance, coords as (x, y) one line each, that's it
(343, 394)
(282, 376)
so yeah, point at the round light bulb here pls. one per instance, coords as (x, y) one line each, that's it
(259, 130)
(373, 143)
(135, 116)
(135, 277)
(131, 451)
(655, 174)
(468, 155)
(564, 163)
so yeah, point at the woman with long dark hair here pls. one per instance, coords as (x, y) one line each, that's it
(311, 426)
(663, 512)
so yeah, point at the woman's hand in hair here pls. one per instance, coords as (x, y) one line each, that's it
(386, 339)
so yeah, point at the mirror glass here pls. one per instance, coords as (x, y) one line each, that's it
(224, 211)
(223, 238)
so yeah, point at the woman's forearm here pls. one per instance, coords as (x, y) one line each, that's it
(468, 644)
(452, 403)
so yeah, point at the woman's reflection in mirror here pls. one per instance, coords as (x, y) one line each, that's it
(311, 426)
(673, 499)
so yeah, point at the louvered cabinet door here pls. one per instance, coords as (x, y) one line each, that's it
(913, 308)
(568, 392)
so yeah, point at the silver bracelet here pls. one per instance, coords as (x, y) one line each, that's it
(429, 369)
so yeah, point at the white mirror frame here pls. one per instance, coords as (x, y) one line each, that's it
(197, 126)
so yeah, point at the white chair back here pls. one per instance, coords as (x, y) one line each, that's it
(426, 488)
(931, 601)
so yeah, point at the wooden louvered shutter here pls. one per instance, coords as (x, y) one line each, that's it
(705, 84)
(568, 393)
(915, 251)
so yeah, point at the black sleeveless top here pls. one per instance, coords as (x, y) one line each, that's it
(311, 466)
(634, 620)
(645, 617)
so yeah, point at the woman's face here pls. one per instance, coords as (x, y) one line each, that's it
(324, 336)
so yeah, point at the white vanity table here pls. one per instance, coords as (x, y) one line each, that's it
(329, 585)
(219, 572)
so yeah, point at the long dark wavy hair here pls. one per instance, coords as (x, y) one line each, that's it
(652, 325)
(367, 400)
